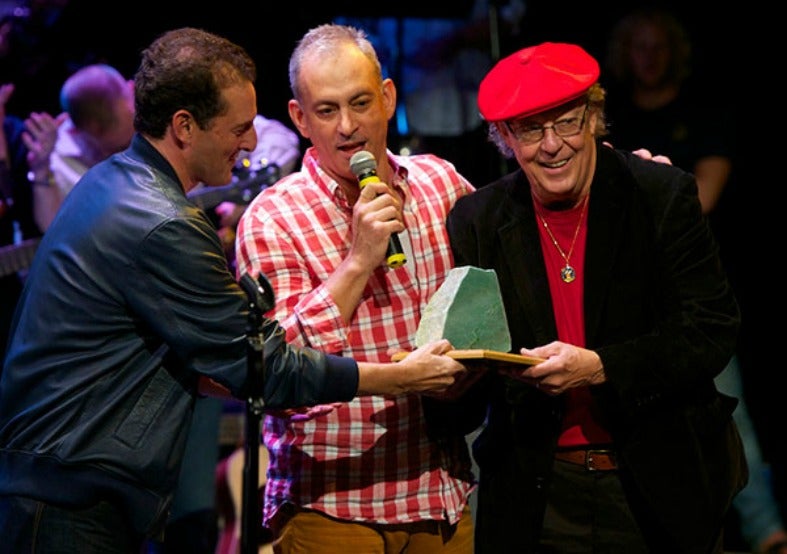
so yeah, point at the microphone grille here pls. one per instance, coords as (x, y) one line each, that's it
(362, 162)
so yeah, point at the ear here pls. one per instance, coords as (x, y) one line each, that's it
(183, 125)
(297, 116)
(593, 121)
(389, 97)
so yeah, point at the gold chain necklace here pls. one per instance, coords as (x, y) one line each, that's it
(567, 273)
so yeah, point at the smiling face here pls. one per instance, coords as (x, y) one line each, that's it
(344, 107)
(215, 149)
(558, 168)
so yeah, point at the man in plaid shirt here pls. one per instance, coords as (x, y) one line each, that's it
(362, 473)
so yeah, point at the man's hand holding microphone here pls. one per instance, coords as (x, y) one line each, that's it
(381, 207)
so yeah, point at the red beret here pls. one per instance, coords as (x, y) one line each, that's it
(536, 79)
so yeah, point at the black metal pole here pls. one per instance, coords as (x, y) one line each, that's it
(260, 297)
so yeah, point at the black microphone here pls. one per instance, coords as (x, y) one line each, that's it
(364, 167)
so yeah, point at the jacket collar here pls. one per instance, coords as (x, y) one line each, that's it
(519, 231)
(141, 149)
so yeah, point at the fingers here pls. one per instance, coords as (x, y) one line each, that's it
(40, 123)
(40, 136)
(376, 204)
(376, 215)
(646, 154)
(463, 382)
(6, 90)
(643, 153)
(662, 159)
(373, 190)
(368, 193)
(439, 346)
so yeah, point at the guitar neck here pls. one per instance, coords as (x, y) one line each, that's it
(17, 257)
(241, 191)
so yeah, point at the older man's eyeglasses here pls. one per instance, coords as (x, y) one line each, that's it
(528, 133)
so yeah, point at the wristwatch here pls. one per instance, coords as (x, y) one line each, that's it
(45, 182)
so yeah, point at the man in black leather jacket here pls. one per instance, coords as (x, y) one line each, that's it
(128, 308)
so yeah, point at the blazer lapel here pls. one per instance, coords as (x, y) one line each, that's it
(518, 232)
(605, 232)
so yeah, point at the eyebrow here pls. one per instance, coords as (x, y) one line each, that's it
(243, 127)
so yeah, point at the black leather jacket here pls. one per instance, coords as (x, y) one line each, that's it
(128, 301)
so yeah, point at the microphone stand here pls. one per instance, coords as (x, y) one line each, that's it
(260, 296)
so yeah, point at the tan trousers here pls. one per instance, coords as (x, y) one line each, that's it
(310, 532)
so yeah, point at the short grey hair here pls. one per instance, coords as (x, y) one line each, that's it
(324, 39)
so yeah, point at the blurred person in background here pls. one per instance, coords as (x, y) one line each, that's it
(656, 102)
(25, 189)
(97, 105)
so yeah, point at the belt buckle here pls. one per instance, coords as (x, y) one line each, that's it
(589, 457)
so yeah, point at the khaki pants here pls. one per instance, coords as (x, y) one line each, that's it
(310, 532)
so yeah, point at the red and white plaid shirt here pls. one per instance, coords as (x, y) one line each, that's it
(369, 459)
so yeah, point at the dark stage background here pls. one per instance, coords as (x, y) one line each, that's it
(737, 53)
(269, 30)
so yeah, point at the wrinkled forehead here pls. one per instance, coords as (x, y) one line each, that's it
(342, 74)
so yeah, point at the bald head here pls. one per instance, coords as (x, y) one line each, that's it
(99, 101)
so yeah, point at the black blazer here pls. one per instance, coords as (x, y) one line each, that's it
(662, 316)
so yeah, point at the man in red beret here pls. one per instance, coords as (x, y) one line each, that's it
(619, 441)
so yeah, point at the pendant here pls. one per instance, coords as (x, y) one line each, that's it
(568, 274)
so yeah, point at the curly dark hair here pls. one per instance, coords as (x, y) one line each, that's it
(187, 69)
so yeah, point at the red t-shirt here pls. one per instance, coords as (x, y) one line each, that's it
(582, 424)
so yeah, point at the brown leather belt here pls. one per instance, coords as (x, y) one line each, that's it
(591, 459)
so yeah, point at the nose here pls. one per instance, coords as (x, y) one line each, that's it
(551, 141)
(249, 140)
(347, 125)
